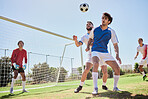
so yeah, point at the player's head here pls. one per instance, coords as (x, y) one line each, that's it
(106, 19)
(89, 25)
(20, 44)
(140, 41)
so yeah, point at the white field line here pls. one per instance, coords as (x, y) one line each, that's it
(39, 87)
(28, 89)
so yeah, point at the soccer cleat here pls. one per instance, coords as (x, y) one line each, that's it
(25, 90)
(116, 89)
(11, 90)
(78, 89)
(95, 92)
(144, 77)
(104, 87)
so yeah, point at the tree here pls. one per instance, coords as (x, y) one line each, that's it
(40, 73)
(136, 68)
(5, 71)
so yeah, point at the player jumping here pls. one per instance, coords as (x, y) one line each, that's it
(89, 64)
(143, 49)
(101, 36)
(17, 59)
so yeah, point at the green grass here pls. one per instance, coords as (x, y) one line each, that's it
(132, 85)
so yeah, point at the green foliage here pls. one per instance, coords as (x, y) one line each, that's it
(42, 73)
(136, 70)
(5, 71)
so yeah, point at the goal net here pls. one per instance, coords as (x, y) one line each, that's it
(53, 59)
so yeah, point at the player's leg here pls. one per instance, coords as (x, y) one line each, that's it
(13, 79)
(84, 75)
(116, 68)
(95, 60)
(22, 73)
(141, 64)
(105, 76)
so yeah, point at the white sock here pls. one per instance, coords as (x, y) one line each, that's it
(116, 78)
(104, 84)
(23, 84)
(81, 83)
(95, 79)
(12, 83)
(143, 73)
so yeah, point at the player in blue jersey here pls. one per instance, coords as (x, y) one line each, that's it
(100, 37)
(84, 39)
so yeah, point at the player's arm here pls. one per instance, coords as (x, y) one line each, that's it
(115, 42)
(12, 60)
(90, 41)
(77, 43)
(25, 57)
(136, 55)
(116, 48)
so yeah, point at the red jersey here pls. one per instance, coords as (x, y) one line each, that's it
(18, 56)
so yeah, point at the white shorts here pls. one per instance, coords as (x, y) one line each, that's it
(103, 57)
(144, 61)
(89, 59)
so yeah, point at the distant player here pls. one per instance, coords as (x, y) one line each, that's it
(101, 36)
(143, 48)
(17, 59)
(89, 64)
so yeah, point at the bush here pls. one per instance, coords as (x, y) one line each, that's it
(5, 71)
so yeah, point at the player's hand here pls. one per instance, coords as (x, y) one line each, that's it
(118, 58)
(74, 38)
(87, 49)
(135, 58)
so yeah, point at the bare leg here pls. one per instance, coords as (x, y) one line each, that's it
(86, 71)
(116, 68)
(105, 74)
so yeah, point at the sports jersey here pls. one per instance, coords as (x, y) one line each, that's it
(101, 39)
(143, 50)
(18, 56)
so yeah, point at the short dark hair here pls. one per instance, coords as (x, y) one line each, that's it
(90, 22)
(109, 17)
(140, 39)
(20, 42)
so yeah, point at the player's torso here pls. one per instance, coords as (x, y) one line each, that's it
(19, 55)
(101, 39)
(142, 49)
(85, 40)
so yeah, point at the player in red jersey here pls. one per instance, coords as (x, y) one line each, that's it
(17, 60)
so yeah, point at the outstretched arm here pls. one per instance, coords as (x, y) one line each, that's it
(116, 48)
(136, 55)
(76, 41)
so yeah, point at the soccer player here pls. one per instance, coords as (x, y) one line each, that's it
(17, 59)
(89, 64)
(101, 36)
(143, 49)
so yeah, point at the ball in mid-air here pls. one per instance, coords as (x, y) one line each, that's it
(84, 7)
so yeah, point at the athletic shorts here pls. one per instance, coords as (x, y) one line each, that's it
(20, 70)
(103, 57)
(89, 59)
(144, 61)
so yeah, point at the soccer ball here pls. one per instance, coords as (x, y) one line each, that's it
(84, 7)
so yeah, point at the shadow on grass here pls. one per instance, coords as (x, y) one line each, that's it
(10, 95)
(117, 95)
(146, 80)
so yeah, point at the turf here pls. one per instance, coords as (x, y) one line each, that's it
(132, 86)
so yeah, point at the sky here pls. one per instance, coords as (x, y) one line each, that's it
(64, 17)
